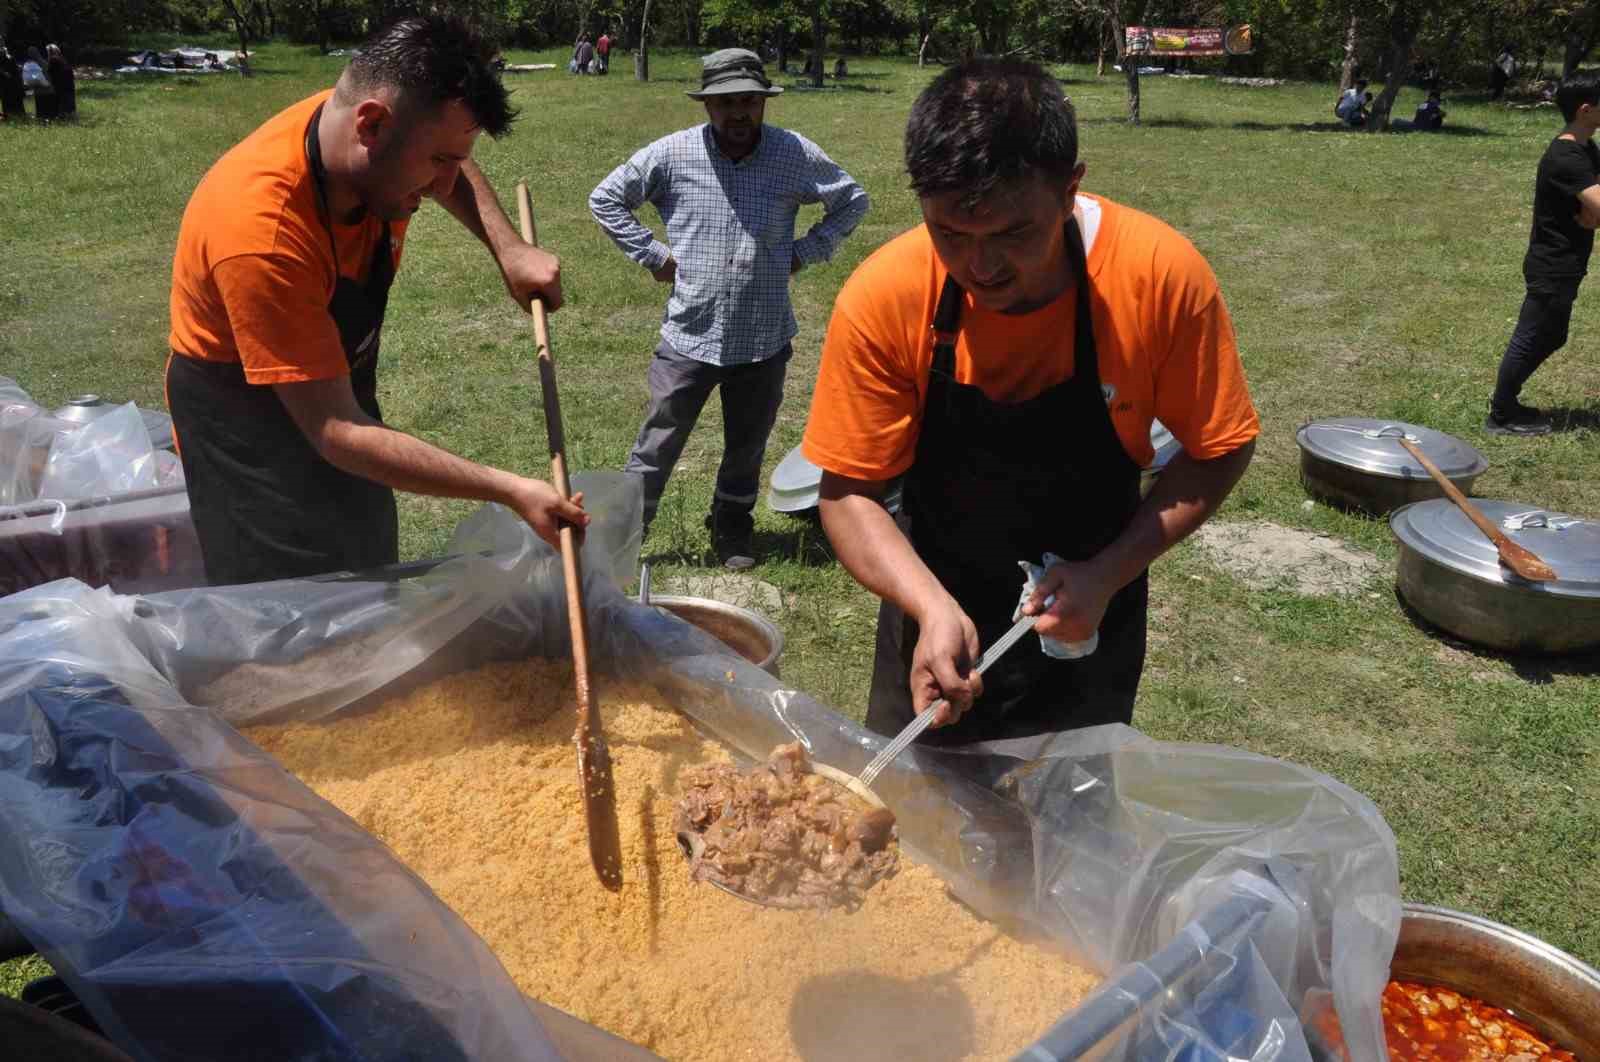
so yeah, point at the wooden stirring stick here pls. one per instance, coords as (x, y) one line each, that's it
(1518, 558)
(594, 757)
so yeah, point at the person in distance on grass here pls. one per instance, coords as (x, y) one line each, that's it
(12, 94)
(728, 191)
(1430, 113)
(1566, 210)
(279, 287)
(1006, 359)
(64, 80)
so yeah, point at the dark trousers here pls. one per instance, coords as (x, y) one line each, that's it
(679, 387)
(1540, 332)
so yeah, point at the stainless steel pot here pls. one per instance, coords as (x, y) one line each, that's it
(1451, 574)
(745, 631)
(1555, 993)
(1359, 462)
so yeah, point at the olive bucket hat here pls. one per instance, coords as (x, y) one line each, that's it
(733, 71)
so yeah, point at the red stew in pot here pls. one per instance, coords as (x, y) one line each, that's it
(1429, 1022)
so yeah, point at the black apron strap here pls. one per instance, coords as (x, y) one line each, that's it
(946, 326)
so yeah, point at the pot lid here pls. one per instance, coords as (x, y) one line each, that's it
(83, 408)
(795, 483)
(1373, 446)
(1442, 533)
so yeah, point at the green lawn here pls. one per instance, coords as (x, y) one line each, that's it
(1368, 275)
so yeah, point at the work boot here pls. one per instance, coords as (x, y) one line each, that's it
(731, 527)
(1518, 420)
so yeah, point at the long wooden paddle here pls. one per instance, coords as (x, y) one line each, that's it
(594, 757)
(1518, 558)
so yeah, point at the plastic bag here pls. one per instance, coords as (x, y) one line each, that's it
(198, 899)
(1224, 893)
(108, 455)
(26, 434)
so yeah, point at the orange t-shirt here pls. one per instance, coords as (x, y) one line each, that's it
(254, 268)
(1165, 342)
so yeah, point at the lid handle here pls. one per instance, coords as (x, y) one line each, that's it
(1538, 518)
(1391, 431)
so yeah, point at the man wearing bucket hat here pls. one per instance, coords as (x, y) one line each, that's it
(728, 191)
(1005, 360)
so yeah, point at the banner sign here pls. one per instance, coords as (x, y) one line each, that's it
(1209, 40)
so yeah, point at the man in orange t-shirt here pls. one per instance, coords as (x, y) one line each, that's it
(1006, 359)
(279, 286)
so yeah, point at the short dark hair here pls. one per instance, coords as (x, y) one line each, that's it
(1361, 82)
(433, 59)
(1580, 88)
(986, 123)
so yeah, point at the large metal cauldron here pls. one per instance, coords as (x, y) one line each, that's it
(746, 632)
(1504, 967)
(1450, 573)
(1359, 462)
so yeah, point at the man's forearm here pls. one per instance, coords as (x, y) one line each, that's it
(1184, 497)
(404, 462)
(873, 550)
(473, 203)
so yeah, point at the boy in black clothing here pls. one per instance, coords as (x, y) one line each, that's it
(1430, 113)
(1566, 211)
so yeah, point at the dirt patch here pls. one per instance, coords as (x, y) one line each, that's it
(1267, 556)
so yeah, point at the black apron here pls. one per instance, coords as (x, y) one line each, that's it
(265, 504)
(994, 483)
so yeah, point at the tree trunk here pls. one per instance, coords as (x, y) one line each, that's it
(922, 52)
(641, 58)
(1130, 62)
(1580, 41)
(320, 11)
(1347, 72)
(783, 47)
(819, 43)
(1100, 57)
(1402, 34)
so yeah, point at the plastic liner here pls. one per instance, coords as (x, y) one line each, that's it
(1226, 895)
(92, 501)
(109, 455)
(199, 900)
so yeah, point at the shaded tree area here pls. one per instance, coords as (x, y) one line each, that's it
(1390, 42)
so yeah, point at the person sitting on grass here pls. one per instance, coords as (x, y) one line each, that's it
(1430, 115)
(1350, 97)
(1566, 211)
(1352, 110)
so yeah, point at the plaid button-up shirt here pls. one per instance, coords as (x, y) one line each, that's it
(731, 229)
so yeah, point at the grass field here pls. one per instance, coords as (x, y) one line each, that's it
(1367, 275)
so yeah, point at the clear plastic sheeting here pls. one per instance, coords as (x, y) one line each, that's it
(26, 435)
(1224, 894)
(199, 900)
(108, 455)
(43, 457)
(93, 501)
